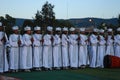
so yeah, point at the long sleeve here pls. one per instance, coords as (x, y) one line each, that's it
(37, 38)
(47, 40)
(26, 40)
(117, 39)
(64, 40)
(72, 39)
(57, 40)
(109, 40)
(13, 40)
(83, 39)
(102, 40)
(93, 39)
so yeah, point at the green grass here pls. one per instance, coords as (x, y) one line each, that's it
(80, 74)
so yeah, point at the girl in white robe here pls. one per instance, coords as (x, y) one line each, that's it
(73, 48)
(94, 45)
(109, 42)
(14, 43)
(37, 49)
(117, 43)
(101, 49)
(83, 57)
(47, 49)
(26, 55)
(57, 49)
(65, 54)
(3, 56)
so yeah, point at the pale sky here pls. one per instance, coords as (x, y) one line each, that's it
(64, 9)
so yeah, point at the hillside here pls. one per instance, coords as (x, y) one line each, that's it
(81, 22)
(84, 22)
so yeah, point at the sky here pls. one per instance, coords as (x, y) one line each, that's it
(64, 9)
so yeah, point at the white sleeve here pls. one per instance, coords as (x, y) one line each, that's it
(93, 40)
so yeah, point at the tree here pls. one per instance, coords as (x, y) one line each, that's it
(102, 26)
(48, 14)
(63, 23)
(38, 19)
(119, 20)
(45, 17)
(28, 22)
(9, 22)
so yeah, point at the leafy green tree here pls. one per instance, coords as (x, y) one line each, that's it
(28, 23)
(63, 23)
(9, 22)
(48, 14)
(45, 17)
(38, 19)
(119, 20)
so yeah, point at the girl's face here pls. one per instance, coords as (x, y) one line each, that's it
(15, 31)
(38, 31)
(109, 33)
(58, 32)
(82, 32)
(1, 28)
(28, 31)
(65, 32)
(72, 32)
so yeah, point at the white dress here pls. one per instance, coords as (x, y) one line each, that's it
(57, 51)
(37, 51)
(83, 50)
(101, 51)
(26, 54)
(73, 50)
(65, 56)
(3, 56)
(110, 46)
(47, 51)
(14, 51)
(117, 45)
(93, 52)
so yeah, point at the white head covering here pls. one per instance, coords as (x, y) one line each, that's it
(95, 30)
(27, 28)
(0, 23)
(72, 29)
(82, 29)
(37, 28)
(15, 28)
(118, 29)
(101, 31)
(65, 29)
(49, 28)
(58, 29)
(109, 30)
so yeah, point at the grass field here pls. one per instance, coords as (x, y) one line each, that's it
(80, 74)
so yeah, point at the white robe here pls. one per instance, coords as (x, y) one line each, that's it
(57, 51)
(83, 57)
(110, 46)
(101, 51)
(14, 51)
(26, 55)
(117, 45)
(65, 56)
(47, 51)
(73, 50)
(93, 52)
(3, 56)
(37, 50)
